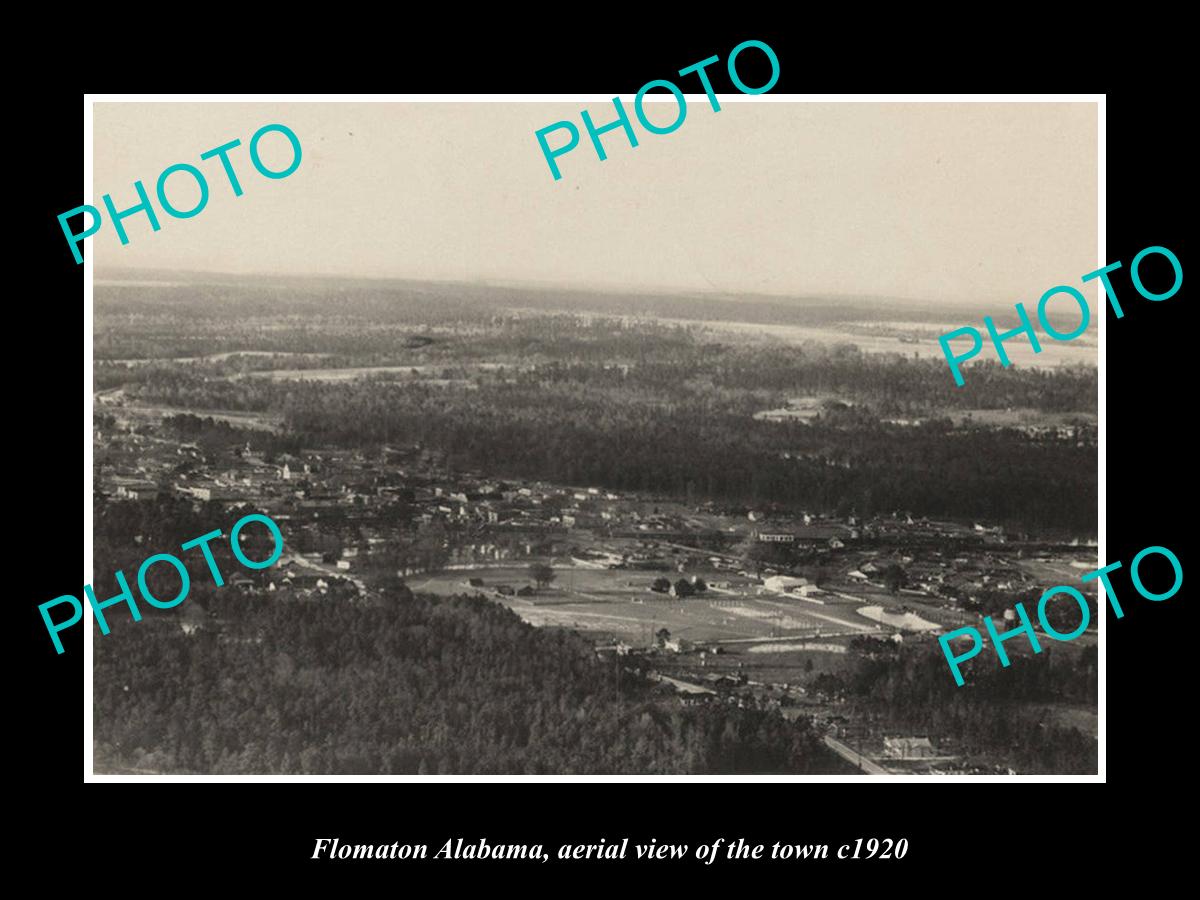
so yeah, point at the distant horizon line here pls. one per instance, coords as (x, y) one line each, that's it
(118, 273)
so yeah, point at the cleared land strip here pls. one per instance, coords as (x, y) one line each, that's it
(795, 636)
(685, 687)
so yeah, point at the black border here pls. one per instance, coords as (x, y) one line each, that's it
(956, 836)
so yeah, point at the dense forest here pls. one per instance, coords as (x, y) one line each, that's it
(664, 410)
(408, 684)
(644, 353)
(577, 433)
(426, 685)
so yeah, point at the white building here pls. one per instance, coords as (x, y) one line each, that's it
(784, 584)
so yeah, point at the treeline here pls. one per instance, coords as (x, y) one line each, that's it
(223, 346)
(409, 686)
(457, 685)
(900, 385)
(412, 301)
(125, 532)
(216, 436)
(574, 434)
(340, 332)
(188, 337)
(665, 413)
(634, 437)
(671, 360)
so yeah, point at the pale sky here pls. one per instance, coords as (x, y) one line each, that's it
(966, 203)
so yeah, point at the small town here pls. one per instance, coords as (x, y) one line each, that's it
(749, 607)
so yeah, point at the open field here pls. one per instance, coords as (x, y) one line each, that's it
(214, 357)
(908, 621)
(1022, 417)
(422, 371)
(1058, 571)
(620, 605)
(1078, 352)
(823, 647)
(152, 414)
(798, 409)
(928, 608)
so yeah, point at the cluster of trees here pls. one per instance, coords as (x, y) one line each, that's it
(1004, 715)
(894, 577)
(183, 386)
(904, 386)
(1062, 612)
(683, 587)
(125, 532)
(424, 685)
(541, 574)
(215, 436)
(165, 522)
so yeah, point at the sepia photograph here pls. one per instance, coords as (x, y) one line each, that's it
(422, 446)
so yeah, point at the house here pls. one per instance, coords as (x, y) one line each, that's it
(526, 591)
(909, 748)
